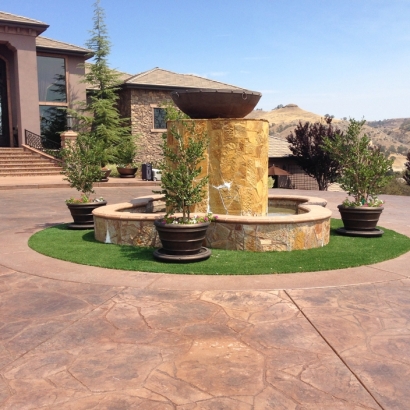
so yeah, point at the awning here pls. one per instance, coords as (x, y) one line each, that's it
(273, 171)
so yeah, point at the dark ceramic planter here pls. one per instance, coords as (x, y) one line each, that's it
(360, 221)
(83, 214)
(127, 172)
(207, 103)
(182, 243)
(105, 173)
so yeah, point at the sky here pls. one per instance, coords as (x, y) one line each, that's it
(347, 58)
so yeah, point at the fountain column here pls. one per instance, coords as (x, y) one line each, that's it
(236, 162)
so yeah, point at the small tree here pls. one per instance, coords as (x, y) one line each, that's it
(101, 117)
(82, 165)
(364, 167)
(307, 148)
(406, 174)
(180, 170)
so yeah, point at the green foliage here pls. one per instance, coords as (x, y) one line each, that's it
(173, 113)
(126, 152)
(81, 164)
(271, 182)
(396, 187)
(180, 170)
(406, 174)
(307, 148)
(365, 170)
(100, 117)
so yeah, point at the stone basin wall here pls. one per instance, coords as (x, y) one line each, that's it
(310, 228)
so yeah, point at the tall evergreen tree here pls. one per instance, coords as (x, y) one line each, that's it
(101, 117)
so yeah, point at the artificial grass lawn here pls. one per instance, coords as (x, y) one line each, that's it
(341, 252)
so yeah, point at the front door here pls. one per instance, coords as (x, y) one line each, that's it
(4, 112)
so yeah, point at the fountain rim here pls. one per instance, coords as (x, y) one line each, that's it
(314, 208)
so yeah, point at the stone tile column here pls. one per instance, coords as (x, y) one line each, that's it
(236, 162)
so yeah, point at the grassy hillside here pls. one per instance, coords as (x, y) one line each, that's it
(393, 135)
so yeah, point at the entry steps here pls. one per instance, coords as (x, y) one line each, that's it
(19, 162)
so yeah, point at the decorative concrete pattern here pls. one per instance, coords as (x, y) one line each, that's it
(77, 337)
(75, 346)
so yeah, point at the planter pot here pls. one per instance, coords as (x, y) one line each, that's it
(182, 243)
(83, 214)
(105, 173)
(127, 172)
(360, 221)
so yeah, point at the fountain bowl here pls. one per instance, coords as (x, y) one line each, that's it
(215, 103)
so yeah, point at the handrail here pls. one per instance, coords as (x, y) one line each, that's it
(41, 143)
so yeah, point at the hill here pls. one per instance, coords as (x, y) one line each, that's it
(392, 135)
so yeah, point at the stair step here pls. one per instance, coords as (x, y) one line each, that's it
(28, 166)
(28, 173)
(19, 162)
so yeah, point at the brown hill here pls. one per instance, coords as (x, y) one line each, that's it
(390, 134)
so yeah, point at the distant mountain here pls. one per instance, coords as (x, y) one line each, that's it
(393, 135)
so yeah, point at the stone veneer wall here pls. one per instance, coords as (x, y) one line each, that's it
(236, 162)
(122, 224)
(142, 121)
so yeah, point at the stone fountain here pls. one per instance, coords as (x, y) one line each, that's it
(237, 191)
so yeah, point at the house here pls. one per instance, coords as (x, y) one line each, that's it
(38, 76)
(141, 97)
(281, 156)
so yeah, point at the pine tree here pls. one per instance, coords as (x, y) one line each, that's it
(101, 117)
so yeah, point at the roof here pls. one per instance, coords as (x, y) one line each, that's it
(159, 78)
(15, 20)
(278, 148)
(44, 43)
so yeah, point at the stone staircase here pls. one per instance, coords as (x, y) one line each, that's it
(19, 162)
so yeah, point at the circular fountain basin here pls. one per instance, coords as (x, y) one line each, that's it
(308, 226)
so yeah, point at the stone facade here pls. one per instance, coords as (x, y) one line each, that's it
(130, 224)
(236, 162)
(137, 104)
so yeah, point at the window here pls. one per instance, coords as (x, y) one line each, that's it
(52, 95)
(51, 79)
(160, 122)
(53, 120)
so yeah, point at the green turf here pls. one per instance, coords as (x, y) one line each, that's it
(342, 252)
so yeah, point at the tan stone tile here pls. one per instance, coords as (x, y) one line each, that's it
(111, 367)
(177, 391)
(217, 403)
(222, 367)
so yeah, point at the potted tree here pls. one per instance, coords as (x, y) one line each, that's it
(181, 233)
(82, 167)
(365, 171)
(125, 157)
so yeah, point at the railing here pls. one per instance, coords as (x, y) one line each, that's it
(43, 144)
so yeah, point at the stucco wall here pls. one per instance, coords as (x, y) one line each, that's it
(24, 96)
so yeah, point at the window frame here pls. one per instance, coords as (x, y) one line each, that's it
(153, 129)
(56, 103)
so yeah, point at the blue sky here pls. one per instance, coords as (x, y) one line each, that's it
(347, 58)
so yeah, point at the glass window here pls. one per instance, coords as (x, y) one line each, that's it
(51, 79)
(160, 118)
(52, 121)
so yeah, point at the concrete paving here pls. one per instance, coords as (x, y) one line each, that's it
(78, 337)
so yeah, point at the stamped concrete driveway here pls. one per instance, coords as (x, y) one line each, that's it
(78, 337)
